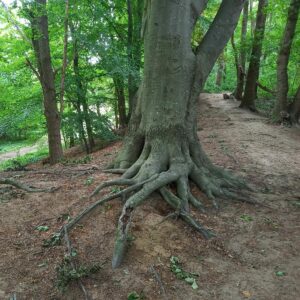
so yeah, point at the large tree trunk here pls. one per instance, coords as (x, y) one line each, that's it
(162, 145)
(248, 100)
(283, 61)
(42, 52)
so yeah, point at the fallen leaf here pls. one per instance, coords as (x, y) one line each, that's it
(246, 294)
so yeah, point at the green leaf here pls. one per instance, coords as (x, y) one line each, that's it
(73, 253)
(280, 273)
(246, 218)
(194, 285)
(189, 280)
(133, 296)
(42, 228)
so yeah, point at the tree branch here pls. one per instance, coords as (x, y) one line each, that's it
(198, 7)
(216, 38)
(34, 70)
(266, 89)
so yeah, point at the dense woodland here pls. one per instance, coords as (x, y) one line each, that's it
(96, 57)
(90, 74)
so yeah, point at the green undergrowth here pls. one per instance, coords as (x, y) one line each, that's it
(8, 146)
(66, 274)
(20, 162)
(177, 269)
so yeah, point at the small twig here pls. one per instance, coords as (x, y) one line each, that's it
(158, 279)
(69, 247)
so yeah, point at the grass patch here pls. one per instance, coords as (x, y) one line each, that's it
(8, 146)
(21, 161)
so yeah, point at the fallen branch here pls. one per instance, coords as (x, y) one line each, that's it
(159, 281)
(69, 247)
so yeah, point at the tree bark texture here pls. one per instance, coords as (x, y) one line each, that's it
(162, 145)
(134, 48)
(283, 60)
(43, 55)
(248, 100)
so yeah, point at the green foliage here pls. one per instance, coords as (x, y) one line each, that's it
(21, 162)
(246, 218)
(42, 228)
(66, 274)
(135, 296)
(188, 277)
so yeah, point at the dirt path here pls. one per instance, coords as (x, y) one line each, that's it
(255, 254)
(16, 153)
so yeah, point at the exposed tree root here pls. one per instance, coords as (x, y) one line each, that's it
(25, 187)
(158, 166)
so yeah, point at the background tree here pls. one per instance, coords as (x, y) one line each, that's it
(249, 97)
(283, 60)
(40, 41)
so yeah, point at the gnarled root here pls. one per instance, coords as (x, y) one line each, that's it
(25, 187)
(159, 165)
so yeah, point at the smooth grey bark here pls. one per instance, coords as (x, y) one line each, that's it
(162, 145)
(250, 92)
(134, 49)
(283, 60)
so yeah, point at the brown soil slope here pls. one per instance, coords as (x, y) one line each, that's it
(254, 256)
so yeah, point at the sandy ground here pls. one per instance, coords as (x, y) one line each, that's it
(254, 256)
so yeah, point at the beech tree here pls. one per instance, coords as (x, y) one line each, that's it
(162, 146)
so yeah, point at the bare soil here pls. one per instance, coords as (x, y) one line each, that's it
(254, 256)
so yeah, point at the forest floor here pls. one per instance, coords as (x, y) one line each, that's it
(256, 254)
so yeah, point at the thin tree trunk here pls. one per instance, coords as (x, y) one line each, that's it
(241, 72)
(249, 97)
(252, 18)
(294, 108)
(65, 55)
(283, 60)
(221, 69)
(81, 127)
(119, 90)
(80, 91)
(42, 52)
